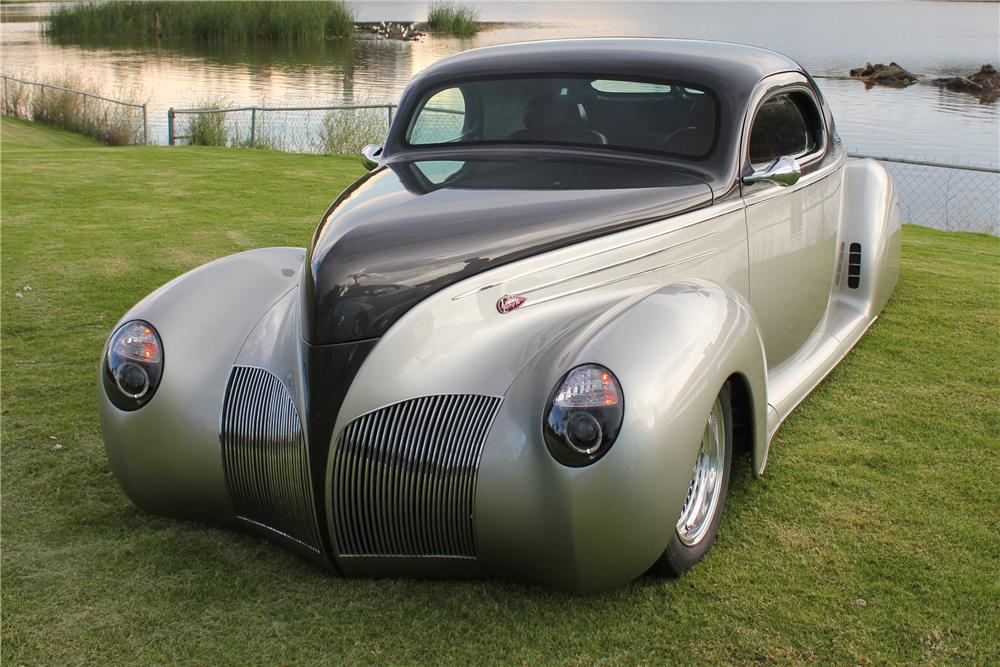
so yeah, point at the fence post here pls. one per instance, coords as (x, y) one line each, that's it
(170, 126)
(253, 127)
(86, 126)
(145, 125)
(389, 109)
(42, 105)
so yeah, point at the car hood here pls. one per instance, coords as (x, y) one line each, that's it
(411, 228)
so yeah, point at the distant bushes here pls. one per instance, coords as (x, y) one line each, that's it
(223, 21)
(453, 19)
(108, 123)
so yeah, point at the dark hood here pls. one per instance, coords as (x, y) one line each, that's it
(410, 229)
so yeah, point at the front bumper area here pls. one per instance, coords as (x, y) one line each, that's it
(444, 500)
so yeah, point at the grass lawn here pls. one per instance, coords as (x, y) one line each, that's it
(874, 536)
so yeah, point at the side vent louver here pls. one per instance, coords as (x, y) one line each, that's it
(404, 477)
(854, 266)
(264, 457)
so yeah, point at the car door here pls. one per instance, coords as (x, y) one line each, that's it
(791, 229)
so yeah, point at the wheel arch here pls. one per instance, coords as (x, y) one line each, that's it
(741, 402)
(717, 333)
(672, 349)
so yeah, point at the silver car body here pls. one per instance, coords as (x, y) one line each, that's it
(752, 290)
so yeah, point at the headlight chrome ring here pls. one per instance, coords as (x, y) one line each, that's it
(133, 365)
(583, 415)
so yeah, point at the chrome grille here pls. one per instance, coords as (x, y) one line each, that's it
(404, 477)
(264, 457)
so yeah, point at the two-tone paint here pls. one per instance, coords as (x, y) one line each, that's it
(680, 282)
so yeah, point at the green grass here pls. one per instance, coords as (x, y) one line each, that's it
(219, 21)
(882, 488)
(20, 135)
(452, 19)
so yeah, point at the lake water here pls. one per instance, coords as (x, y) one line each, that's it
(929, 38)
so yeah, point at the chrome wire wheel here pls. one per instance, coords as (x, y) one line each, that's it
(706, 487)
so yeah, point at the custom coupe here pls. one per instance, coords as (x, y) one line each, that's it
(580, 278)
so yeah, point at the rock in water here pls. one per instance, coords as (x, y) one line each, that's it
(987, 77)
(985, 82)
(892, 74)
(959, 84)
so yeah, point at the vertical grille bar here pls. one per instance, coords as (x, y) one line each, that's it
(264, 456)
(404, 477)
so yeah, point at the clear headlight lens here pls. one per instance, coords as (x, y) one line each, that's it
(584, 415)
(133, 365)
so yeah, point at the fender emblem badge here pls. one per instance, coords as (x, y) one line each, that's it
(510, 302)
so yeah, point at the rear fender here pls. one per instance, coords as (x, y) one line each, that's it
(870, 219)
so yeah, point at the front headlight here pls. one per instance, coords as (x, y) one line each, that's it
(133, 365)
(583, 415)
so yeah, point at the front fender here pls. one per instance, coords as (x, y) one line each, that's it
(598, 526)
(166, 455)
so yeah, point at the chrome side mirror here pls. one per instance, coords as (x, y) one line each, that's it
(784, 171)
(371, 156)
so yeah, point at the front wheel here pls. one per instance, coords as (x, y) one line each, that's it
(701, 513)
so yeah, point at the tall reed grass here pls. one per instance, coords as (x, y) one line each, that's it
(107, 122)
(222, 21)
(209, 129)
(452, 19)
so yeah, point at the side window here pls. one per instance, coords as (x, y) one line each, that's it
(784, 125)
(441, 119)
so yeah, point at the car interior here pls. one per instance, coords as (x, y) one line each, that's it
(629, 115)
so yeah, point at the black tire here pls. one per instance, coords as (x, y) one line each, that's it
(679, 557)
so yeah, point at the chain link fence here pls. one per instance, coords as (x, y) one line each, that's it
(110, 121)
(952, 197)
(342, 129)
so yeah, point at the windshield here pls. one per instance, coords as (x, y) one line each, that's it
(611, 113)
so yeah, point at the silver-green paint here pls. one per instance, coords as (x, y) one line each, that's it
(751, 290)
